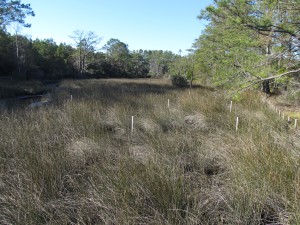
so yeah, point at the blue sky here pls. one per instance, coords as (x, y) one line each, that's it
(142, 24)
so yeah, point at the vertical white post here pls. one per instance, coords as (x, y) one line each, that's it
(168, 103)
(296, 123)
(230, 107)
(131, 124)
(237, 124)
(71, 97)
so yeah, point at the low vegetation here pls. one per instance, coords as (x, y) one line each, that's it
(77, 161)
(13, 88)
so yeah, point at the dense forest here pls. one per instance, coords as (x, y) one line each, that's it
(24, 58)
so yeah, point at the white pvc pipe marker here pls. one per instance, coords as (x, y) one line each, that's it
(237, 124)
(230, 107)
(132, 124)
(296, 123)
(168, 103)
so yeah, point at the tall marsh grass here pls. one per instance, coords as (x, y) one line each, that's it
(77, 162)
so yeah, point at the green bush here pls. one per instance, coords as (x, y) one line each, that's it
(179, 81)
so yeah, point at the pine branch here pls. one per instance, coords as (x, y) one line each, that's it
(281, 75)
(260, 79)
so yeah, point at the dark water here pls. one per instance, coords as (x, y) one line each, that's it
(24, 101)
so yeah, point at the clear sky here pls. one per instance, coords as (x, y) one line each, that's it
(142, 24)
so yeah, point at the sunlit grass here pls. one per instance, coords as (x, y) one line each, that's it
(77, 161)
(293, 115)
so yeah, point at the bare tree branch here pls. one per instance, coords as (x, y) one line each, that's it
(260, 79)
(281, 75)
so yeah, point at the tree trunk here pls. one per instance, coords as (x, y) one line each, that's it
(266, 86)
(80, 60)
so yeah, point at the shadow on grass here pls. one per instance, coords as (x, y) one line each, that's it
(20, 94)
(113, 91)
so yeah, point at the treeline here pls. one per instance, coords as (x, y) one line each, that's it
(250, 43)
(245, 44)
(24, 58)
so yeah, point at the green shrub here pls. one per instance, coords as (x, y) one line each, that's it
(179, 81)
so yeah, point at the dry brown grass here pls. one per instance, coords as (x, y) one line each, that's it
(12, 88)
(77, 162)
